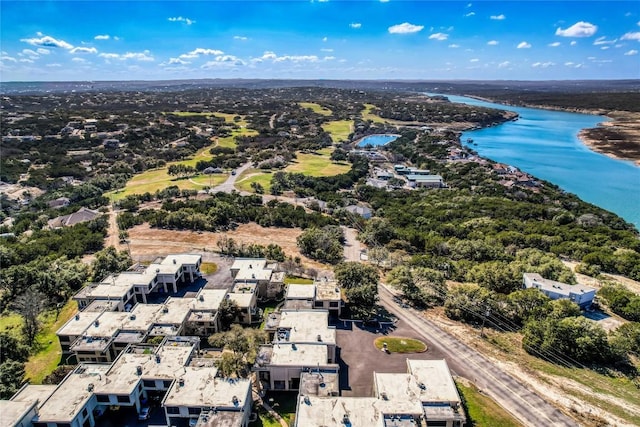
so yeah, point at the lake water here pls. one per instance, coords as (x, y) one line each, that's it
(545, 144)
(377, 140)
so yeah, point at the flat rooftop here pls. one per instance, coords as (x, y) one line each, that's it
(103, 290)
(170, 269)
(242, 299)
(320, 384)
(107, 324)
(34, 392)
(12, 412)
(557, 287)
(182, 259)
(209, 299)
(199, 386)
(251, 270)
(360, 411)
(73, 394)
(220, 419)
(78, 323)
(132, 278)
(101, 305)
(436, 376)
(174, 311)
(299, 291)
(293, 354)
(307, 326)
(328, 291)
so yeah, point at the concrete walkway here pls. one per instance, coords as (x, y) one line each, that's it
(257, 398)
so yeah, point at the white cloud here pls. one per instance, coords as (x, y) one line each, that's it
(102, 37)
(182, 19)
(631, 52)
(543, 64)
(84, 50)
(200, 51)
(603, 40)
(469, 5)
(638, 23)
(524, 45)
(325, 39)
(30, 61)
(405, 28)
(631, 36)
(554, 44)
(54, 65)
(469, 14)
(474, 60)
(454, 46)
(79, 60)
(355, 25)
(8, 58)
(604, 47)
(384, 1)
(31, 53)
(47, 41)
(326, 50)
(242, 38)
(43, 51)
(500, 17)
(297, 58)
(504, 64)
(573, 43)
(579, 29)
(438, 36)
(138, 56)
(493, 42)
(569, 64)
(178, 61)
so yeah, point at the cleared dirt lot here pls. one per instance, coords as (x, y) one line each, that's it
(359, 358)
(145, 241)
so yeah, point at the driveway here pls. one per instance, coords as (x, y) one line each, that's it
(359, 358)
(229, 185)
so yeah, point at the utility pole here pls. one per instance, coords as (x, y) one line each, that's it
(487, 312)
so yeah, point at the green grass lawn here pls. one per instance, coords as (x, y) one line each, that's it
(243, 183)
(312, 164)
(208, 267)
(297, 280)
(48, 354)
(317, 164)
(316, 108)
(368, 115)
(338, 129)
(482, 411)
(400, 344)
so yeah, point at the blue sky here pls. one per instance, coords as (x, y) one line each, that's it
(151, 40)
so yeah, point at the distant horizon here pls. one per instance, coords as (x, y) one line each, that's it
(482, 40)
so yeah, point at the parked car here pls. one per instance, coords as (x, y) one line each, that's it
(145, 413)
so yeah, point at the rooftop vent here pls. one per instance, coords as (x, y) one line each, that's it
(97, 323)
(422, 386)
(235, 400)
(307, 400)
(319, 338)
(345, 420)
(174, 260)
(90, 387)
(293, 346)
(201, 297)
(181, 382)
(250, 266)
(253, 276)
(165, 309)
(384, 395)
(132, 317)
(157, 358)
(138, 370)
(78, 316)
(157, 270)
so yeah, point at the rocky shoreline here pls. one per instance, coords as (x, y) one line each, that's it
(619, 138)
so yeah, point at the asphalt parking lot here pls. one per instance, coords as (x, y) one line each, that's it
(359, 358)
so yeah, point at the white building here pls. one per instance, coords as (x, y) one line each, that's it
(579, 294)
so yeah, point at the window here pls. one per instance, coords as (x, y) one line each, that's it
(123, 399)
(334, 304)
(102, 398)
(172, 410)
(318, 304)
(194, 411)
(166, 383)
(84, 413)
(149, 383)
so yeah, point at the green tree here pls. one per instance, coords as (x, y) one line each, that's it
(322, 244)
(109, 260)
(626, 339)
(12, 349)
(29, 305)
(376, 232)
(360, 283)
(11, 378)
(228, 312)
(241, 348)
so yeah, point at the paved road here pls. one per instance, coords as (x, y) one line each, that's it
(464, 361)
(351, 245)
(229, 185)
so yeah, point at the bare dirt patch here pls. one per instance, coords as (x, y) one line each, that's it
(144, 240)
(619, 138)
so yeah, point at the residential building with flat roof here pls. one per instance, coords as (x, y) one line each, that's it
(257, 271)
(580, 294)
